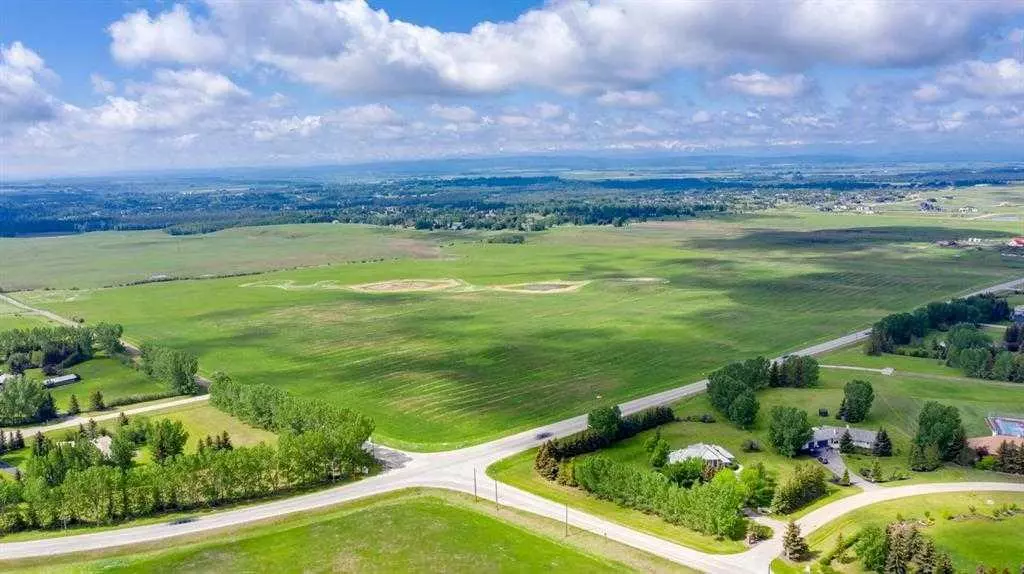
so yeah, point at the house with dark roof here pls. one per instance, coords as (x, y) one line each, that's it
(829, 437)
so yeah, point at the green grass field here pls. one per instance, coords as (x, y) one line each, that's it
(110, 258)
(971, 538)
(107, 375)
(12, 317)
(666, 303)
(409, 531)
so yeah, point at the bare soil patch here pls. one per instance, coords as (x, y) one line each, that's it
(408, 285)
(290, 285)
(543, 287)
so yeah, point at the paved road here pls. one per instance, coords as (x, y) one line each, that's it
(72, 422)
(463, 470)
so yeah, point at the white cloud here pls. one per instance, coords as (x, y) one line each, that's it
(170, 37)
(366, 115)
(978, 79)
(549, 111)
(569, 46)
(174, 99)
(761, 85)
(101, 85)
(630, 99)
(457, 114)
(22, 95)
(266, 130)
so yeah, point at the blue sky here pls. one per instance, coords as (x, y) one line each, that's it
(106, 86)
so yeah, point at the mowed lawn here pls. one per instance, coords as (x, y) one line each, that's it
(665, 304)
(417, 531)
(109, 376)
(960, 524)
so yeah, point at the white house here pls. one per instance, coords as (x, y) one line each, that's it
(829, 437)
(711, 454)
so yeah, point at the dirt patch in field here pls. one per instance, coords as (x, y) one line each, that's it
(640, 280)
(543, 287)
(408, 285)
(290, 285)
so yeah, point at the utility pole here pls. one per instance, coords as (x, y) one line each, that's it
(496, 507)
(475, 497)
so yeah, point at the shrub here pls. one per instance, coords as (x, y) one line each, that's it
(807, 483)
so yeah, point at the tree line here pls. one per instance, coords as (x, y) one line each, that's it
(55, 348)
(72, 483)
(732, 389)
(903, 328)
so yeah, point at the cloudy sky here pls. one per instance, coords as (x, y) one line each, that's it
(98, 86)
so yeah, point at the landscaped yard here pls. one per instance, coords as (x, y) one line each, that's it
(200, 419)
(661, 304)
(109, 376)
(960, 524)
(409, 531)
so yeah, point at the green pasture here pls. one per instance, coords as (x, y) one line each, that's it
(960, 524)
(117, 257)
(666, 303)
(12, 317)
(409, 531)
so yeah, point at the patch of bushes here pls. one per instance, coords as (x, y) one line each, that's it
(139, 398)
(711, 508)
(807, 484)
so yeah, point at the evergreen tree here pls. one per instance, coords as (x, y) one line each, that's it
(73, 407)
(545, 463)
(882, 445)
(81, 429)
(845, 480)
(93, 430)
(926, 558)
(19, 441)
(225, 441)
(876, 472)
(96, 401)
(774, 378)
(846, 443)
(40, 445)
(660, 455)
(122, 419)
(794, 547)
(841, 413)
(652, 441)
(3, 442)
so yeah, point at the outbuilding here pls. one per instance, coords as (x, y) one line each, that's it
(61, 381)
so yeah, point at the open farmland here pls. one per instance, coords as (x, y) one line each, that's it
(408, 531)
(664, 303)
(12, 317)
(113, 258)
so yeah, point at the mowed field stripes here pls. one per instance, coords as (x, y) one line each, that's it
(665, 303)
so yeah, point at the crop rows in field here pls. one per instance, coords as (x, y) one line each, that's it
(440, 369)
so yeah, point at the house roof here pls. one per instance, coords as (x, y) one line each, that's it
(61, 379)
(835, 433)
(702, 451)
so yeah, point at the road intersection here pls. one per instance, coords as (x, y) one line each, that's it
(462, 470)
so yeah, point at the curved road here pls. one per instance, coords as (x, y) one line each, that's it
(462, 470)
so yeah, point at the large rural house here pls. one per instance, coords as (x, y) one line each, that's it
(829, 437)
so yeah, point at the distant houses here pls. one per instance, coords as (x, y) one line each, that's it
(713, 455)
(967, 209)
(829, 437)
